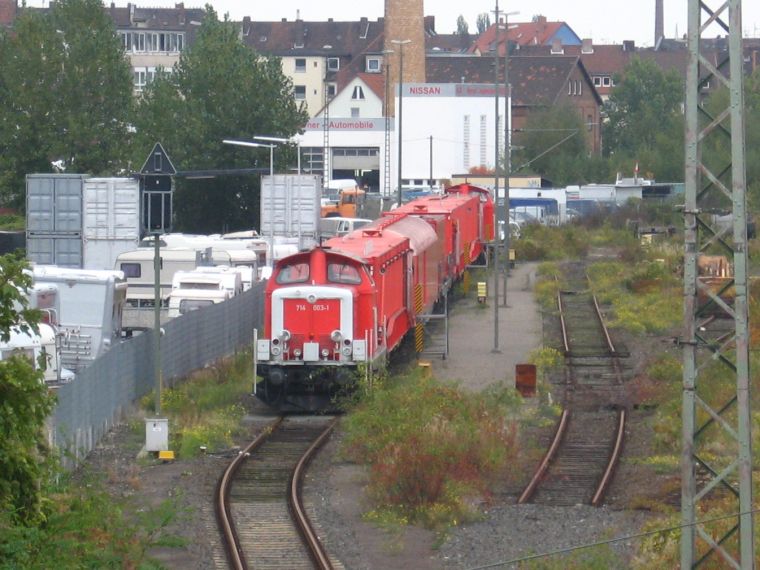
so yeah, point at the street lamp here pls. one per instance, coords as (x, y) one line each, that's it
(283, 141)
(258, 145)
(400, 44)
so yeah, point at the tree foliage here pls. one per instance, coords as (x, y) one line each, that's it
(24, 404)
(644, 121)
(553, 144)
(65, 95)
(483, 22)
(463, 29)
(220, 89)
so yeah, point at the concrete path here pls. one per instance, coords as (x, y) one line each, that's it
(472, 359)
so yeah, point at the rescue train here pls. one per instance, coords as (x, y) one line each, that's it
(351, 300)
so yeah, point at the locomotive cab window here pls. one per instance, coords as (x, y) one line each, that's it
(293, 273)
(343, 273)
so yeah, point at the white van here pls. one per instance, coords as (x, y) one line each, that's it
(331, 227)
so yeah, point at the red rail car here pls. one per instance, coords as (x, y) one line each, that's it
(351, 300)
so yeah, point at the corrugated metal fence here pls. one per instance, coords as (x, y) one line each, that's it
(101, 393)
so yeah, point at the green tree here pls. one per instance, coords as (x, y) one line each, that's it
(463, 29)
(65, 95)
(220, 89)
(553, 144)
(24, 404)
(644, 121)
(483, 22)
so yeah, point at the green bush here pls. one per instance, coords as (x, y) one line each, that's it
(431, 446)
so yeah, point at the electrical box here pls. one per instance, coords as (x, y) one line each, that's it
(156, 434)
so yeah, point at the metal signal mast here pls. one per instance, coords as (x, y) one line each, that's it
(716, 379)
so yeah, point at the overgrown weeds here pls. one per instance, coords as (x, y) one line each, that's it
(434, 451)
(85, 527)
(204, 411)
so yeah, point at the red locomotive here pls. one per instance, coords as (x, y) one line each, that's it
(352, 299)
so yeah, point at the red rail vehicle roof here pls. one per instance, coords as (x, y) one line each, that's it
(386, 236)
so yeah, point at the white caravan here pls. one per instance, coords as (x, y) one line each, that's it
(41, 349)
(192, 290)
(90, 307)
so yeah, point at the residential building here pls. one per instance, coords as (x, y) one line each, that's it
(315, 55)
(154, 38)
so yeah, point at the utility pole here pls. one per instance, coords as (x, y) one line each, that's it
(431, 163)
(507, 150)
(497, 237)
(711, 422)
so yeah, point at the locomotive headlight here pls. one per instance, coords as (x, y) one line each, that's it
(347, 351)
(276, 350)
(275, 341)
(297, 352)
(336, 335)
(285, 335)
(325, 352)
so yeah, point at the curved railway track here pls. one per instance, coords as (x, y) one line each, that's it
(581, 460)
(258, 501)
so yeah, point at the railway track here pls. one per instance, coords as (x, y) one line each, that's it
(258, 501)
(581, 460)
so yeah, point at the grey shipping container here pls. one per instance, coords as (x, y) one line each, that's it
(54, 203)
(61, 250)
(291, 206)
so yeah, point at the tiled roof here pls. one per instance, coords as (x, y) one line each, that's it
(538, 32)
(312, 38)
(535, 80)
(177, 18)
(449, 43)
(376, 82)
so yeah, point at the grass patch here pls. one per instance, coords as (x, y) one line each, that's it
(433, 450)
(601, 557)
(205, 409)
(87, 528)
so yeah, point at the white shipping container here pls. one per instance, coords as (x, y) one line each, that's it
(291, 206)
(111, 220)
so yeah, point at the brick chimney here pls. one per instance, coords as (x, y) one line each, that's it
(404, 20)
(659, 24)
(8, 9)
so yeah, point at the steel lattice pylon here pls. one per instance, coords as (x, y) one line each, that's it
(716, 383)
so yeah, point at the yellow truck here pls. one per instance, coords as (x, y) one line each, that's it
(349, 203)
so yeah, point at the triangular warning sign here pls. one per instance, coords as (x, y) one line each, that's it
(158, 162)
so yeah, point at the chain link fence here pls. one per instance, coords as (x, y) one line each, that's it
(104, 392)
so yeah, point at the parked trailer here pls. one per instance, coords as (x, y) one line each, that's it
(91, 307)
(192, 290)
(42, 349)
(138, 268)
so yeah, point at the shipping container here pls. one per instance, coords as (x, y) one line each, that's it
(111, 220)
(54, 203)
(290, 207)
(62, 250)
(80, 222)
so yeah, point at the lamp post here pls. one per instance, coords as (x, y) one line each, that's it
(400, 44)
(283, 141)
(258, 145)
(507, 150)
